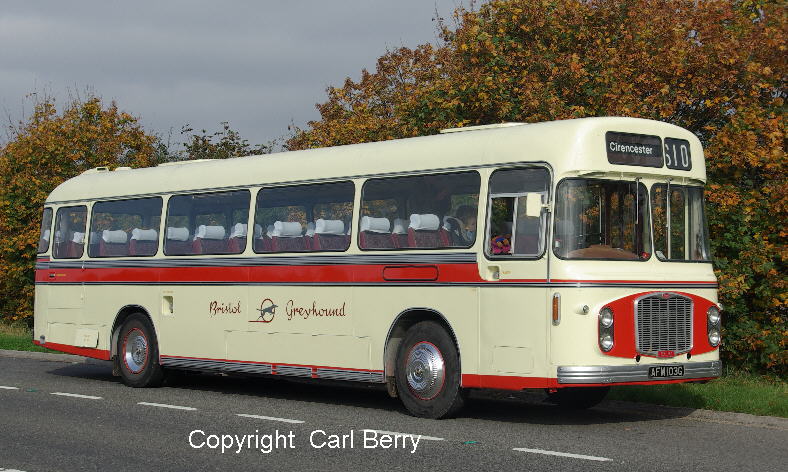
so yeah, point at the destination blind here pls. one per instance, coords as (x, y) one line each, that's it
(633, 149)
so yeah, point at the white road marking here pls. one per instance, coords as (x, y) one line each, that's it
(3, 387)
(76, 395)
(269, 418)
(164, 405)
(393, 433)
(10, 470)
(563, 454)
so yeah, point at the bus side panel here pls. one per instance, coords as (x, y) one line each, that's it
(199, 319)
(513, 332)
(104, 302)
(375, 309)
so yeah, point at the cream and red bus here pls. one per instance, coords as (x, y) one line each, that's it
(569, 256)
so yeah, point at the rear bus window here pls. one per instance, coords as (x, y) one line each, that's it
(304, 218)
(69, 237)
(207, 223)
(46, 231)
(125, 228)
(420, 212)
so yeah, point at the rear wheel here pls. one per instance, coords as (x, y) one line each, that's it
(428, 372)
(138, 353)
(578, 398)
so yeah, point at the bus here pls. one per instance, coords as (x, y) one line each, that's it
(569, 256)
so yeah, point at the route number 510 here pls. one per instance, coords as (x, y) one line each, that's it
(677, 154)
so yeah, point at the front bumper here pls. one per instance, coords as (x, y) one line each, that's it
(610, 374)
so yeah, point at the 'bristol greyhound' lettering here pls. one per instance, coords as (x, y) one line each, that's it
(305, 312)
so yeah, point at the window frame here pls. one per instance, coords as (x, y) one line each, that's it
(705, 221)
(547, 233)
(42, 229)
(648, 211)
(421, 249)
(159, 239)
(166, 215)
(253, 216)
(84, 241)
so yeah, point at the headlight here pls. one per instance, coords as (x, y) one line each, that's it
(606, 318)
(713, 323)
(606, 342)
(714, 338)
(714, 315)
(606, 329)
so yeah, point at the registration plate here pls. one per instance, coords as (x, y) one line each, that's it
(666, 371)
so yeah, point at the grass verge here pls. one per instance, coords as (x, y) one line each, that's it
(18, 337)
(735, 391)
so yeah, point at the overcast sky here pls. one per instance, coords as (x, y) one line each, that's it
(257, 64)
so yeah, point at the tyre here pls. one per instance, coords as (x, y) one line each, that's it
(138, 353)
(578, 398)
(428, 372)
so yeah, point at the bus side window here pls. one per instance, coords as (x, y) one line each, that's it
(125, 228)
(70, 224)
(304, 218)
(46, 231)
(207, 223)
(511, 232)
(420, 212)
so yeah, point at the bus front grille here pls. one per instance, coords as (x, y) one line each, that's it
(663, 324)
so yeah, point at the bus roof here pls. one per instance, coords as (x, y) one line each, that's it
(570, 147)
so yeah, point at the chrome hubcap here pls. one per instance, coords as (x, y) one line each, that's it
(425, 370)
(136, 351)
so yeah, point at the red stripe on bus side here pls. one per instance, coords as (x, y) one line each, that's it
(79, 351)
(506, 382)
(340, 273)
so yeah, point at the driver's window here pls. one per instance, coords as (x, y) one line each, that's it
(511, 232)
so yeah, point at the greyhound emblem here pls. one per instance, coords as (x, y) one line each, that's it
(267, 312)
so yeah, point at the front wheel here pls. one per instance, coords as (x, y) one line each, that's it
(578, 398)
(138, 353)
(428, 372)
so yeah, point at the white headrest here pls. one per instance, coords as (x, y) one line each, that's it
(78, 238)
(426, 222)
(114, 237)
(177, 233)
(209, 232)
(138, 234)
(269, 231)
(329, 226)
(400, 226)
(375, 225)
(239, 230)
(258, 231)
(287, 229)
(46, 234)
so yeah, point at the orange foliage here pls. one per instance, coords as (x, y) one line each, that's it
(47, 149)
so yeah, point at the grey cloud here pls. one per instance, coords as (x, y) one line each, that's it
(258, 64)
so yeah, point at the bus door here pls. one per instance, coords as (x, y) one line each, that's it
(513, 306)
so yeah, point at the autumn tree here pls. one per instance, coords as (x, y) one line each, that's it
(221, 144)
(42, 152)
(716, 67)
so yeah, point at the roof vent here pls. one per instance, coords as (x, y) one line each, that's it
(178, 163)
(122, 168)
(481, 127)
